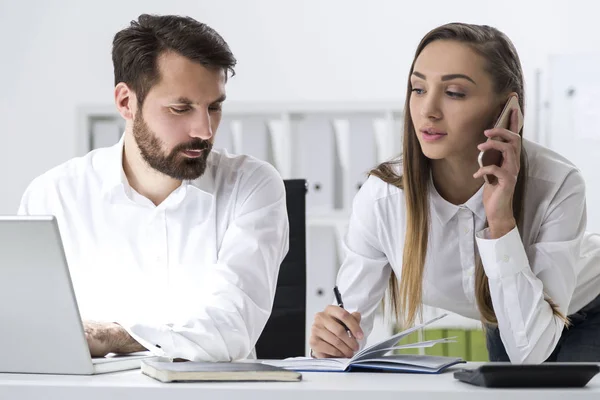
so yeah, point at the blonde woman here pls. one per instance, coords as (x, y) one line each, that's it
(513, 254)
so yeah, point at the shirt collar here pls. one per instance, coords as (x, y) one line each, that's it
(205, 183)
(111, 169)
(446, 210)
(114, 179)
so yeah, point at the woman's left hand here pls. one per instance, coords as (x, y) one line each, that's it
(498, 197)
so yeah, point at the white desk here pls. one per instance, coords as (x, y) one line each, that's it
(315, 386)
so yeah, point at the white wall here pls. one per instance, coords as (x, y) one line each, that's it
(55, 56)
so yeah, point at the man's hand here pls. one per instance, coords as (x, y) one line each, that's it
(109, 337)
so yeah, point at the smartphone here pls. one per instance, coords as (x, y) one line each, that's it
(493, 156)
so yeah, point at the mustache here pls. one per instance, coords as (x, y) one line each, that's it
(195, 144)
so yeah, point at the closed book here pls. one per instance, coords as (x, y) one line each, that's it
(165, 371)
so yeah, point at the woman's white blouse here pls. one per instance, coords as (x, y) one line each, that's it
(552, 254)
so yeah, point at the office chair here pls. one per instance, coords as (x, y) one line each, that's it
(284, 335)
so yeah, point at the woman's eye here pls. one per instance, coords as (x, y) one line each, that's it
(455, 94)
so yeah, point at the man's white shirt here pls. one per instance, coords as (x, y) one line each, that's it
(193, 277)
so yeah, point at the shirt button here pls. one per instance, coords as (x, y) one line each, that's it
(505, 258)
(466, 230)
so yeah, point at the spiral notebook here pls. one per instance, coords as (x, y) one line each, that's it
(376, 357)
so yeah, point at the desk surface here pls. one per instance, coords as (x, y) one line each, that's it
(329, 386)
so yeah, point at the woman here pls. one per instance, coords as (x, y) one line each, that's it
(513, 253)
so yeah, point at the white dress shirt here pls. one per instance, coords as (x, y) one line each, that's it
(551, 254)
(193, 277)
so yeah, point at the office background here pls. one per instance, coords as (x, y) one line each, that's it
(316, 80)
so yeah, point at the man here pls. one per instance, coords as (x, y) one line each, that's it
(172, 247)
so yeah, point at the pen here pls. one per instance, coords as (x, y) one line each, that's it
(338, 298)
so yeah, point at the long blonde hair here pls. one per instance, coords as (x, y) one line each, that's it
(504, 67)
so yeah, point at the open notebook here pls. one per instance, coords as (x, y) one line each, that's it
(375, 357)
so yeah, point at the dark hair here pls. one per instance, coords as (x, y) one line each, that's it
(136, 49)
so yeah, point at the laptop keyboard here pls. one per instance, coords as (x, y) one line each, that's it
(103, 360)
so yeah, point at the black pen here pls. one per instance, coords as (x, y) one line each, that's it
(338, 298)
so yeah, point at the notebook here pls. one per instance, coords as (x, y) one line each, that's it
(376, 358)
(166, 371)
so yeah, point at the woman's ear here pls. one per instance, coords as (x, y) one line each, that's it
(125, 100)
(502, 100)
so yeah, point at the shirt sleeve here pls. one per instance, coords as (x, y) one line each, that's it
(365, 271)
(33, 201)
(521, 280)
(235, 295)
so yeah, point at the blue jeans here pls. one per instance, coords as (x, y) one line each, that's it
(578, 343)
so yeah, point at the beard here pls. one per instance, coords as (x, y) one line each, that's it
(173, 164)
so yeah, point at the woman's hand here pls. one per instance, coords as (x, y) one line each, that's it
(498, 196)
(328, 336)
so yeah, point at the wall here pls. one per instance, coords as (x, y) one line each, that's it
(56, 57)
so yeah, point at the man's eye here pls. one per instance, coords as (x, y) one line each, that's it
(179, 110)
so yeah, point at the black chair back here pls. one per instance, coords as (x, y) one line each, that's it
(284, 335)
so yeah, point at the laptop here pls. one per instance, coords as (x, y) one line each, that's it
(40, 326)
